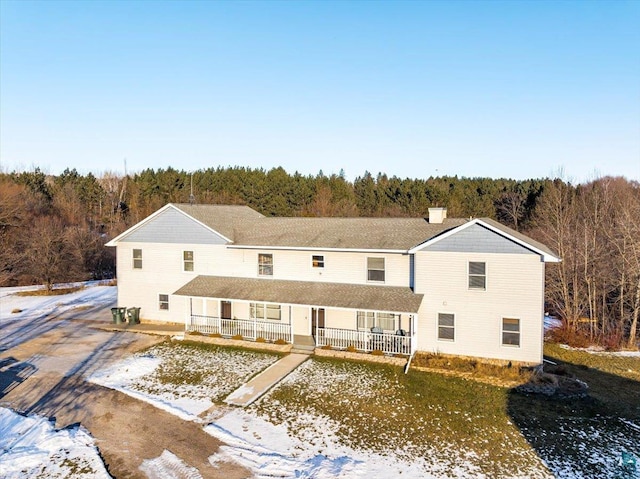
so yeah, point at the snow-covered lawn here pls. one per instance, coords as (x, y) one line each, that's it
(328, 419)
(333, 419)
(31, 447)
(184, 379)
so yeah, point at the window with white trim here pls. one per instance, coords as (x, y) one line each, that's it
(265, 264)
(264, 311)
(477, 275)
(137, 259)
(510, 332)
(365, 319)
(163, 302)
(446, 327)
(374, 319)
(375, 269)
(187, 260)
(317, 261)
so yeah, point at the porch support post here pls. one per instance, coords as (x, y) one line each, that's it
(414, 337)
(290, 325)
(187, 316)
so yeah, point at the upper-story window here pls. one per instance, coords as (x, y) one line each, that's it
(317, 261)
(477, 275)
(137, 259)
(375, 269)
(187, 260)
(265, 264)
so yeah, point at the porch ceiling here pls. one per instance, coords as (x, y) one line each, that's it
(332, 295)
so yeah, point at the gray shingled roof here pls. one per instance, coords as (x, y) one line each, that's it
(355, 233)
(246, 227)
(520, 236)
(224, 219)
(336, 295)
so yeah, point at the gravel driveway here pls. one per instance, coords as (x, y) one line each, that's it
(45, 362)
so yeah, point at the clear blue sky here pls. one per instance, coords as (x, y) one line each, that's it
(413, 89)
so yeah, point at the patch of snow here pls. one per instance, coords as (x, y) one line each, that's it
(601, 351)
(33, 308)
(633, 425)
(269, 451)
(168, 466)
(238, 393)
(31, 447)
(551, 322)
(122, 376)
(218, 374)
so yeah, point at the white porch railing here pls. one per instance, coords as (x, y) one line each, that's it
(247, 328)
(363, 340)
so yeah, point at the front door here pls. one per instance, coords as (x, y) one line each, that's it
(225, 309)
(317, 319)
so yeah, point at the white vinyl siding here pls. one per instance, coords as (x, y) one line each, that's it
(265, 264)
(446, 327)
(187, 259)
(375, 270)
(140, 287)
(516, 290)
(137, 259)
(340, 267)
(510, 332)
(477, 275)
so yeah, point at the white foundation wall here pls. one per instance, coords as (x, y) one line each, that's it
(514, 289)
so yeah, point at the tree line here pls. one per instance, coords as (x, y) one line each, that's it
(53, 228)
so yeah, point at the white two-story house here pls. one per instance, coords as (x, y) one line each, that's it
(399, 285)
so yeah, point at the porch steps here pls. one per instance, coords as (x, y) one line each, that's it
(303, 345)
(303, 349)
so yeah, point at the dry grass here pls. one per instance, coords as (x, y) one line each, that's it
(53, 292)
(472, 366)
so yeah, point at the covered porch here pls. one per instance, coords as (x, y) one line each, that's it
(340, 316)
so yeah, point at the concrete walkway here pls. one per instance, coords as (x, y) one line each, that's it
(264, 381)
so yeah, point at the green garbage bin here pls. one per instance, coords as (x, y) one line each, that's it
(118, 315)
(133, 314)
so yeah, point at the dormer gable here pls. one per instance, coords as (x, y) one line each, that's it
(170, 225)
(486, 236)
